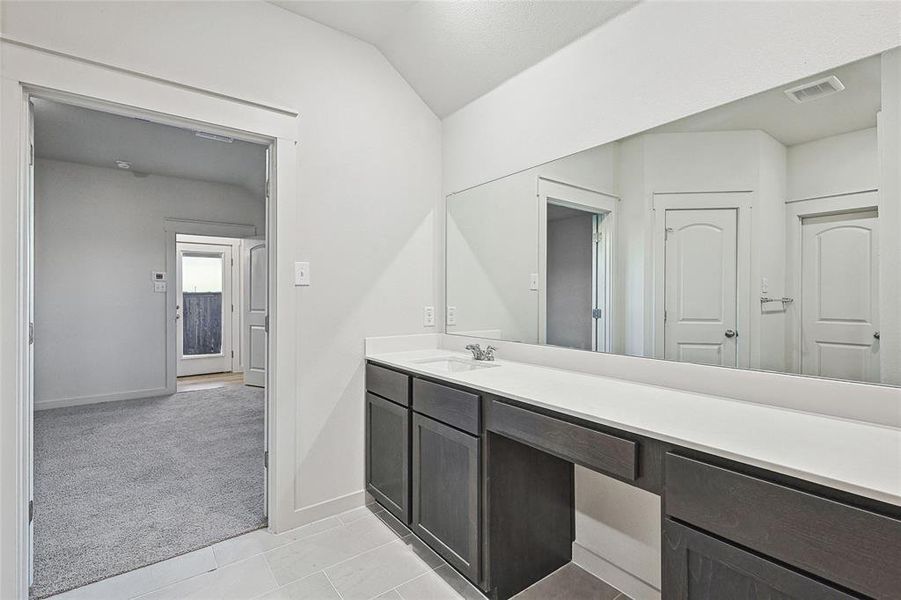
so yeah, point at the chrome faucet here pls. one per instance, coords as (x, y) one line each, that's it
(479, 354)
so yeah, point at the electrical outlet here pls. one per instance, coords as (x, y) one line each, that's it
(451, 315)
(764, 285)
(428, 316)
(302, 273)
(159, 286)
(533, 282)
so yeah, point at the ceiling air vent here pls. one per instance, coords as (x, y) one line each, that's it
(815, 89)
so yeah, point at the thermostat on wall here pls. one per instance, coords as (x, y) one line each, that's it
(158, 275)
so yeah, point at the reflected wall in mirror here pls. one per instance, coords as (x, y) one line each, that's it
(752, 235)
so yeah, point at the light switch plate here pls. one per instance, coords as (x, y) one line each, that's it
(533, 282)
(159, 286)
(451, 315)
(302, 273)
(158, 275)
(428, 316)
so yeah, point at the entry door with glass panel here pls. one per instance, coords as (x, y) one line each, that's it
(700, 318)
(203, 311)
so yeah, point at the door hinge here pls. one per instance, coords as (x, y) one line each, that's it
(266, 459)
(666, 232)
(30, 333)
(596, 237)
(664, 316)
(266, 324)
(31, 511)
(233, 353)
(596, 313)
(31, 155)
(233, 308)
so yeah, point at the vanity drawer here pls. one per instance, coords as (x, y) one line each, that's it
(852, 547)
(593, 449)
(388, 384)
(446, 404)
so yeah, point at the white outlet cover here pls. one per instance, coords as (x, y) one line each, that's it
(302, 273)
(533, 281)
(451, 315)
(159, 286)
(428, 316)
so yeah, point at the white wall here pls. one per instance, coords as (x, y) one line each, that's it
(656, 63)
(368, 172)
(492, 237)
(838, 164)
(98, 234)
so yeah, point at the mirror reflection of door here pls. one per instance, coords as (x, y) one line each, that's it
(203, 308)
(255, 313)
(839, 296)
(700, 323)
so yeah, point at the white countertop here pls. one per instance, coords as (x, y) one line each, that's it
(848, 455)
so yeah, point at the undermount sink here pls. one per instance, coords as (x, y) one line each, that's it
(452, 364)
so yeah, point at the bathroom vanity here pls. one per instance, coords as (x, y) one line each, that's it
(757, 501)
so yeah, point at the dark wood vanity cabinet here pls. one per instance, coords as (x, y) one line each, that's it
(388, 441)
(697, 566)
(423, 461)
(488, 483)
(446, 488)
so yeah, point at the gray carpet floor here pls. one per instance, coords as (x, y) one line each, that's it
(126, 484)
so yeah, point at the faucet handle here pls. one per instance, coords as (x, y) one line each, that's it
(476, 350)
(489, 353)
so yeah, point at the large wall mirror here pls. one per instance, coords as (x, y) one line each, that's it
(752, 235)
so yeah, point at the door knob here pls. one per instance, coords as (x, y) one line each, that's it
(731, 333)
(876, 335)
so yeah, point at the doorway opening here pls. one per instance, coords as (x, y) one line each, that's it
(575, 278)
(143, 278)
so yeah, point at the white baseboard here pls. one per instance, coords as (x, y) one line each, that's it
(323, 510)
(114, 397)
(624, 581)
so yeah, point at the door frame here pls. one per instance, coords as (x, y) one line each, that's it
(31, 73)
(741, 201)
(795, 213)
(560, 193)
(208, 229)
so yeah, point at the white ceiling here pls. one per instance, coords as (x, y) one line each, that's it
(453, 52)
(772, 111)
(81, 135)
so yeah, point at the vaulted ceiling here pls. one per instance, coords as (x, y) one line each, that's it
(453, 52)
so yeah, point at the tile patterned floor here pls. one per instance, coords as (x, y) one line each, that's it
(363, 554)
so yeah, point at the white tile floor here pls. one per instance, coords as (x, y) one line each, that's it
(360, 555)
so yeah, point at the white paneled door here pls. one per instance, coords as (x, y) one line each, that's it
(204, 308)
(255, 312)
(700, 323)
(839, 296)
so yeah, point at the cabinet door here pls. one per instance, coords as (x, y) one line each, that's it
(388, 455)
(699, 567)
(446, 492)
